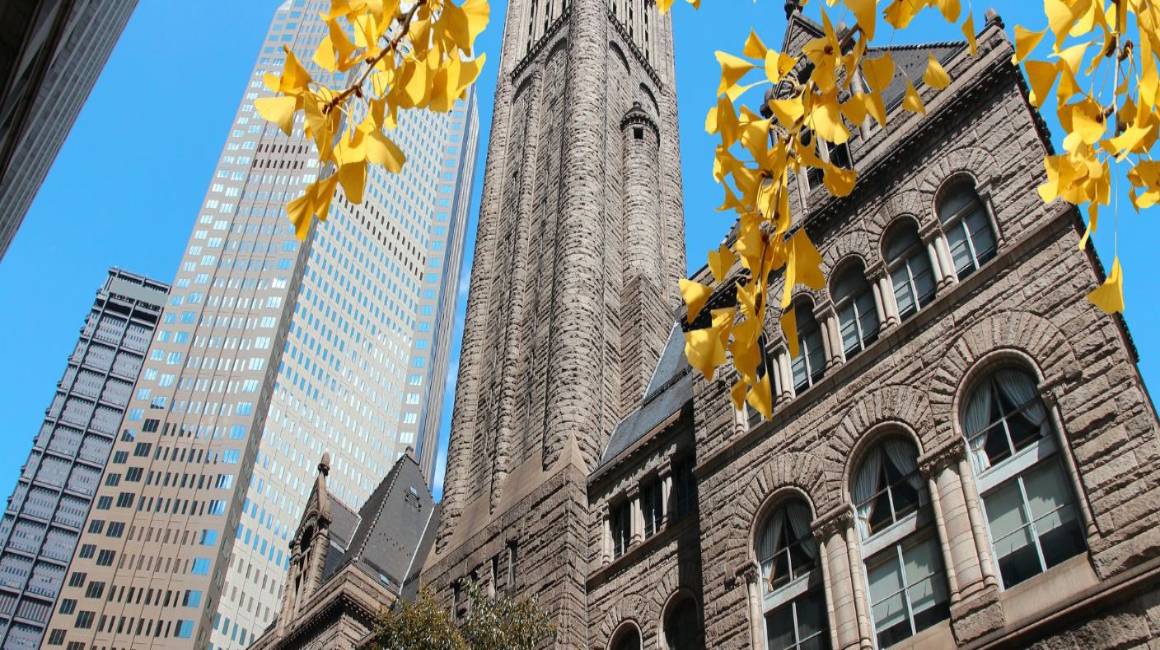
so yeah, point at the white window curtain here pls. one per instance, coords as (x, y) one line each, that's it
(865, 485)
(977, 418)
(1021, 391)
(902, 455)
(799, 522)
(767, 543)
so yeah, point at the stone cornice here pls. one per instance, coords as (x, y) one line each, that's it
(640, 57)
(636, 116)
(946, 455)
(540, 44)
(834, 522)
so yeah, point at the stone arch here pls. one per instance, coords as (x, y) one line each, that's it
(898, 203)
(802, 473)
(676, 596)
(558, 48)
(896, 221)
(620, 55)
(983, 367)
(627, 627)
(970, 161)
(652, 98)
(889, 428)
(624, 614)
(523, 87)
(853, 243)
(1031, 337)
(895, 406)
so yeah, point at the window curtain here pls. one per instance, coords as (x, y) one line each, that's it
(977, 418)
(865, 485)
(798, 515)
(902, 456)
(1019, 388)
(767, 543)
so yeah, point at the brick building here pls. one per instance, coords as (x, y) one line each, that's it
(963, 454)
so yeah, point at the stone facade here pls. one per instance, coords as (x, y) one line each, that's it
(644, 522)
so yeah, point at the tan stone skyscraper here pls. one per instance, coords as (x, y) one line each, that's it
(579, 248)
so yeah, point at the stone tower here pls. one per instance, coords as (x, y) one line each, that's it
(579, 247)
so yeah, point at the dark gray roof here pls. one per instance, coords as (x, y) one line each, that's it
(393, 530)
(909, 63)
(670, 388)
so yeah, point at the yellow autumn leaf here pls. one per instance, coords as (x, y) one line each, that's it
(733, 68)
(760, 397)
(279, 110)
(754, 48)
(695, 295)
(911, 101)
(854, 109)
(1041, 76)
(899, 13)
(664, 6)
(1025, 42)
(788, 323)
(839, 181)
(777, 64)
(969, 32)
(787, 111)
(1109, 296)
(721, 260)
(737, 394)
(803, 265)
(865, 13)
(704, 351)
(950, 9)
(381, 150)
(826, 120)
(878, 71)
(876, 107)
(1087, 124)
(935, 76)
(1092, 225)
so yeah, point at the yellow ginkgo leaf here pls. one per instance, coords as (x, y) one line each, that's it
(279, 110)
(826, 120)
(839, 181)
(1087, 124)
(878, 71)
(899, 13)
(1041, 75)
(760, 397)
(1092, 225)
(664, 6)
(1025, 42)
(754, 48)
(969, 32)
(353, 178)
(1060, 18)
(695, 295)
(737, 394)
(803, 265)
(935, 76)
(788, 323)
(865, 12)
(721, 260)
(1109, 296)
(854, 109)
(950, 9)
(911, 101)
(704, 350)
(777, 64)
(787, 111)
(875, 107)
(381, 150)
(733, 68)
(295, 79)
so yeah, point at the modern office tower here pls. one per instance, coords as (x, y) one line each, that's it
(272, 352)
(47, 509)
(51, 53)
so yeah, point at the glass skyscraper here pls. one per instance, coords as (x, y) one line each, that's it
(270, 352)
(47, 509)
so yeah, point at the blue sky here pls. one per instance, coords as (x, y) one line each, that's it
(128, 182)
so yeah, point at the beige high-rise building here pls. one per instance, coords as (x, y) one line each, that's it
(270, 352)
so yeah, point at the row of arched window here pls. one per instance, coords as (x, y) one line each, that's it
(680, 627)
(913, 271)
(1028, 504)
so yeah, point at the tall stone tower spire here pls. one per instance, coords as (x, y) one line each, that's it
(579, 247)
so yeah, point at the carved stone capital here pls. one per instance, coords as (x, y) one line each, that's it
(875, 271)
(946, 455)
(834, 522)
(928, 231)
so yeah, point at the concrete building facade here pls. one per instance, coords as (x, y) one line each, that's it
(51, 53)
(963, 454)
(46, 512)
(270, 352)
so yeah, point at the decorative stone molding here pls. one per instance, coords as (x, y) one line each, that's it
(947, 454)
(637, 116)
(834, 522)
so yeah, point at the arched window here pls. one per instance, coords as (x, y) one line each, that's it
(1028, 499)
(967, 227)
(682, 625)
(626, 638)
(793, 599)
(857, 315)
(909, 266)
(810, 363)
(904, 568)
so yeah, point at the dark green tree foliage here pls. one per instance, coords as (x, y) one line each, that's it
(491, 624)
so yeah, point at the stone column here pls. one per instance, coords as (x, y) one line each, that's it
(752, 577)
(984, 192)
(1048, 392)
(932, 237)
(832, 332)
(605, 536)
(883, 296)
(821, 316)
(666, 475)
(636, 519)
(781, 365)
(843, 590)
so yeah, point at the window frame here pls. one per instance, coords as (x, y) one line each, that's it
(957, 219)
(812, 375)
(851, 300)
(903, 260)
(798, 587)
